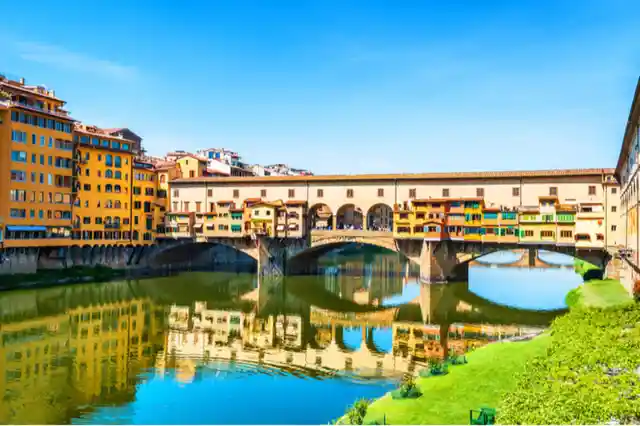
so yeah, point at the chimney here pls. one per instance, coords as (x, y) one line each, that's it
(52, 93)
(22, 80)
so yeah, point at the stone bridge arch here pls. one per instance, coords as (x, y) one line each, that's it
(194, 253)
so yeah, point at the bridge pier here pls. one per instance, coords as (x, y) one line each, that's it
(438, 261)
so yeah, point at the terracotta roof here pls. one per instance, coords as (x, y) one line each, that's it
(566, 208)
(252, 200)
(233, 209)
(225, 202)
(431, 200)
(491, 209)
(399, 176)
(295, 203)
(548, 197)
(165, 165)
(95, 130)
(632, 120)
(201, 159)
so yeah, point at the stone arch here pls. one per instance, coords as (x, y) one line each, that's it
(186, 252)
(380, 217)
(349, 216)
(321, 216)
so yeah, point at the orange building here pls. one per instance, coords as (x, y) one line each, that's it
(36, 166)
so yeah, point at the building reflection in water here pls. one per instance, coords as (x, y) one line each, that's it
(67, 351)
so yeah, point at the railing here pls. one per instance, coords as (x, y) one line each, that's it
(59, 113)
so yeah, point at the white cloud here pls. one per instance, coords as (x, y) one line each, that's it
(61, 58)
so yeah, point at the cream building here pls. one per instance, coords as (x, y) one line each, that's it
(355, 200)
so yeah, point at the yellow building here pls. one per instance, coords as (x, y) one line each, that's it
(264, 218)
(102, 209)
(166, 171)
(36, 166)
(192, 166)
(146, 213)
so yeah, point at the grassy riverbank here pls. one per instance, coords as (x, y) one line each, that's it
(447, 399)
(538, 381)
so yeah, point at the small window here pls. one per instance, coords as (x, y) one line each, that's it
(515, 191)
(614, 227)
(209, 192)
(553, 191)
(592, 190)
(236, 193)
(380, 192)
(479, 192)
(412, 193)
(292, 193)
(349, 193)
(320, 193)
(614, 209)
(614, 190)
(445, 192)
(263, 192)
(176, 193)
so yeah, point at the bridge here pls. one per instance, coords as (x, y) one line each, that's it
(439, 261)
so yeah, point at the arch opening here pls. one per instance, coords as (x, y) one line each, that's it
(380, 217)
(320, 217)
(349, 217)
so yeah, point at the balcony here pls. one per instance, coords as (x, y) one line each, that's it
(115, 225)
(34, 107)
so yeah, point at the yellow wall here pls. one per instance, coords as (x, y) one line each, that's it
(146, 213)
(43, 202)
(98, 198)
(191, 167)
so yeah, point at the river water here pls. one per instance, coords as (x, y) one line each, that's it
(227, 348)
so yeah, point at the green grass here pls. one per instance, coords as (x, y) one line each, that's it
(448, 399)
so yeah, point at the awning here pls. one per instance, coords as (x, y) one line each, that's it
(26, 228)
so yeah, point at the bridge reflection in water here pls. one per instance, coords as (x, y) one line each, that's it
(69, 352)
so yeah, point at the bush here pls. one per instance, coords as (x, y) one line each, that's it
(588, 376)
(357, 412)
(408, 390)
(573, 297)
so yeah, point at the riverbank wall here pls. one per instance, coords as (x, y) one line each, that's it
(32, 260)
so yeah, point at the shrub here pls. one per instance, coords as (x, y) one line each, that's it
(357, 412)
(573, 297)
(408, 389)
(588, 376)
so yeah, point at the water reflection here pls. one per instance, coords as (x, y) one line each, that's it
(162, 350)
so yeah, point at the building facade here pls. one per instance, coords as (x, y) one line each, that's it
(36, 166)
(577, 207)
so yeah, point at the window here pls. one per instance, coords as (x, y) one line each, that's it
(118, 161)
(263, 192)
(18, 176)
(292, 193)
(566, 234)
(614, 209)
(412, 193)
(236, 193)
(109, 160)
(18, 136)
(198, 204)
(553, 191)
(349, 193)
(192, 173)
(209, 191)
(546, 234)
(614, 190)
(515, 191)
(528, 233)
(20, 156)
(380, 192)
(176, 193)
(445, 192)
(592, 190)
(614, 227)
(479, 192)
(320, 193)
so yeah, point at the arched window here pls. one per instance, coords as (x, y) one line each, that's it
(107, 219)
(118, 174)
(108, 174)
(108, 188)
(109, 160)
(118, 204)
(117, 188)
(118, 161)
(163, 178)
(109, 204)
(116, 219)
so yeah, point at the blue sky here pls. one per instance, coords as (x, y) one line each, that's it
(341, 86)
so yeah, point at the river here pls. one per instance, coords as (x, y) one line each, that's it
(228, 348)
